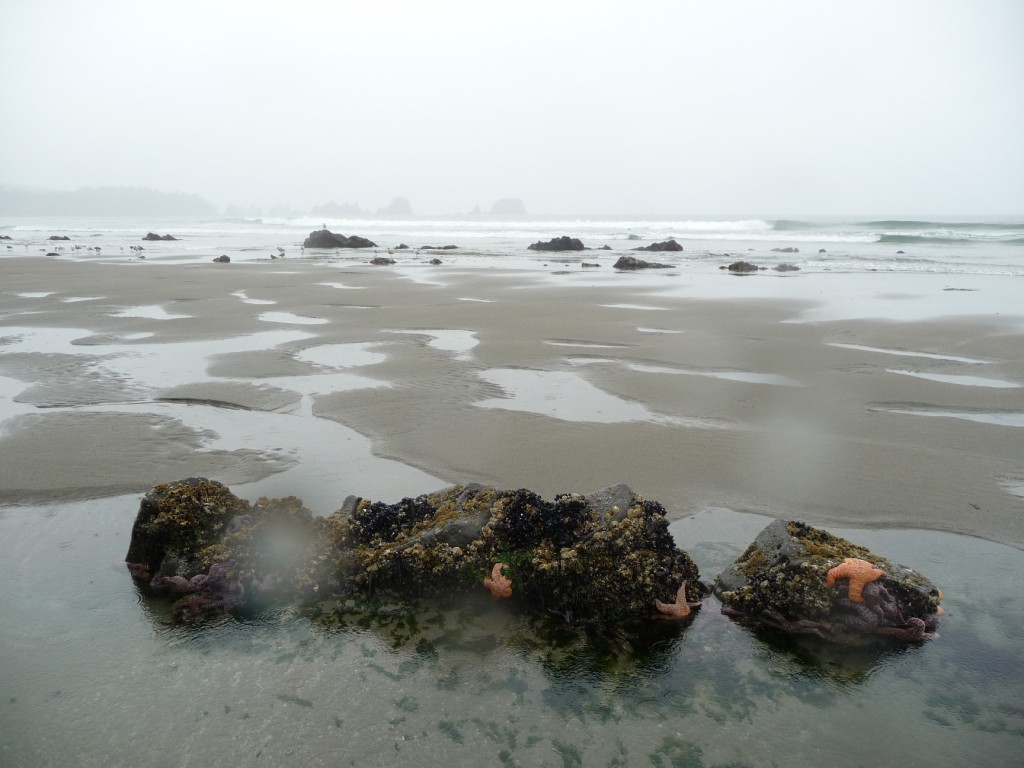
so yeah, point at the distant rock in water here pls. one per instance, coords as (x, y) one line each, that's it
(741, 267)
(786, 268)
(58, 237)
(381, 261)
(508, 206)
(563, 243)
(789, 249)
(225, 259)
(399, 206)
(155, 236)
(668, 245)
(324, 238)
(632, 262)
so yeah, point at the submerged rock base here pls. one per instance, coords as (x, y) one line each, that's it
(804, 580)
(606, 557)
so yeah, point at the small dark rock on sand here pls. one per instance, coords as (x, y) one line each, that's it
(563, 243)
(631, 262)
(741, 267)
(225, 259)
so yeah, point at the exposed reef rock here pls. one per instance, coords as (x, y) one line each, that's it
(632, 262)
(788, 249)
(155, 236)
(741, 267)
(563, 243)
(381, 261)
(324, 238)
(606, 557)
(668, 245)
(58, 237)
(804, 580)
(786, 267)
(222, 259)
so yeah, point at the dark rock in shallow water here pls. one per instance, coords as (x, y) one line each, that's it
(155, 236)
(668, 245)
(786, 268)
(741, 267)
(607, 557)
(223, 259)
(804, 580)
(381, 261)
(632, 262)
(58, 237)
(789, 249)
(563, 243)
(324, 238)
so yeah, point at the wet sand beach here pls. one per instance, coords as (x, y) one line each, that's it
(762, 394)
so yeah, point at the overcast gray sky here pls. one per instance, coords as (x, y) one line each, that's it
(784, 107)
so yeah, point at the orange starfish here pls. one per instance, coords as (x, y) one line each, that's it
(498, 584)
(680, 608)
(859, 572)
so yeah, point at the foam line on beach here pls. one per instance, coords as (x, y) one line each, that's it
(746, 377)
(958, 379)
(245, 298)
(150, 312)
(996, 418)
(342, 286)
(909, 353)
(291, 318)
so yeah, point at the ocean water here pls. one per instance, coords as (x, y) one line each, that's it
(93, 673)
(957, 245)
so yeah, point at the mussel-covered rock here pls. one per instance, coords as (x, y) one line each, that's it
(805, 580)
(603, 557)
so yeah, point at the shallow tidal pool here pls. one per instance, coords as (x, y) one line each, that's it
(93, 673)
